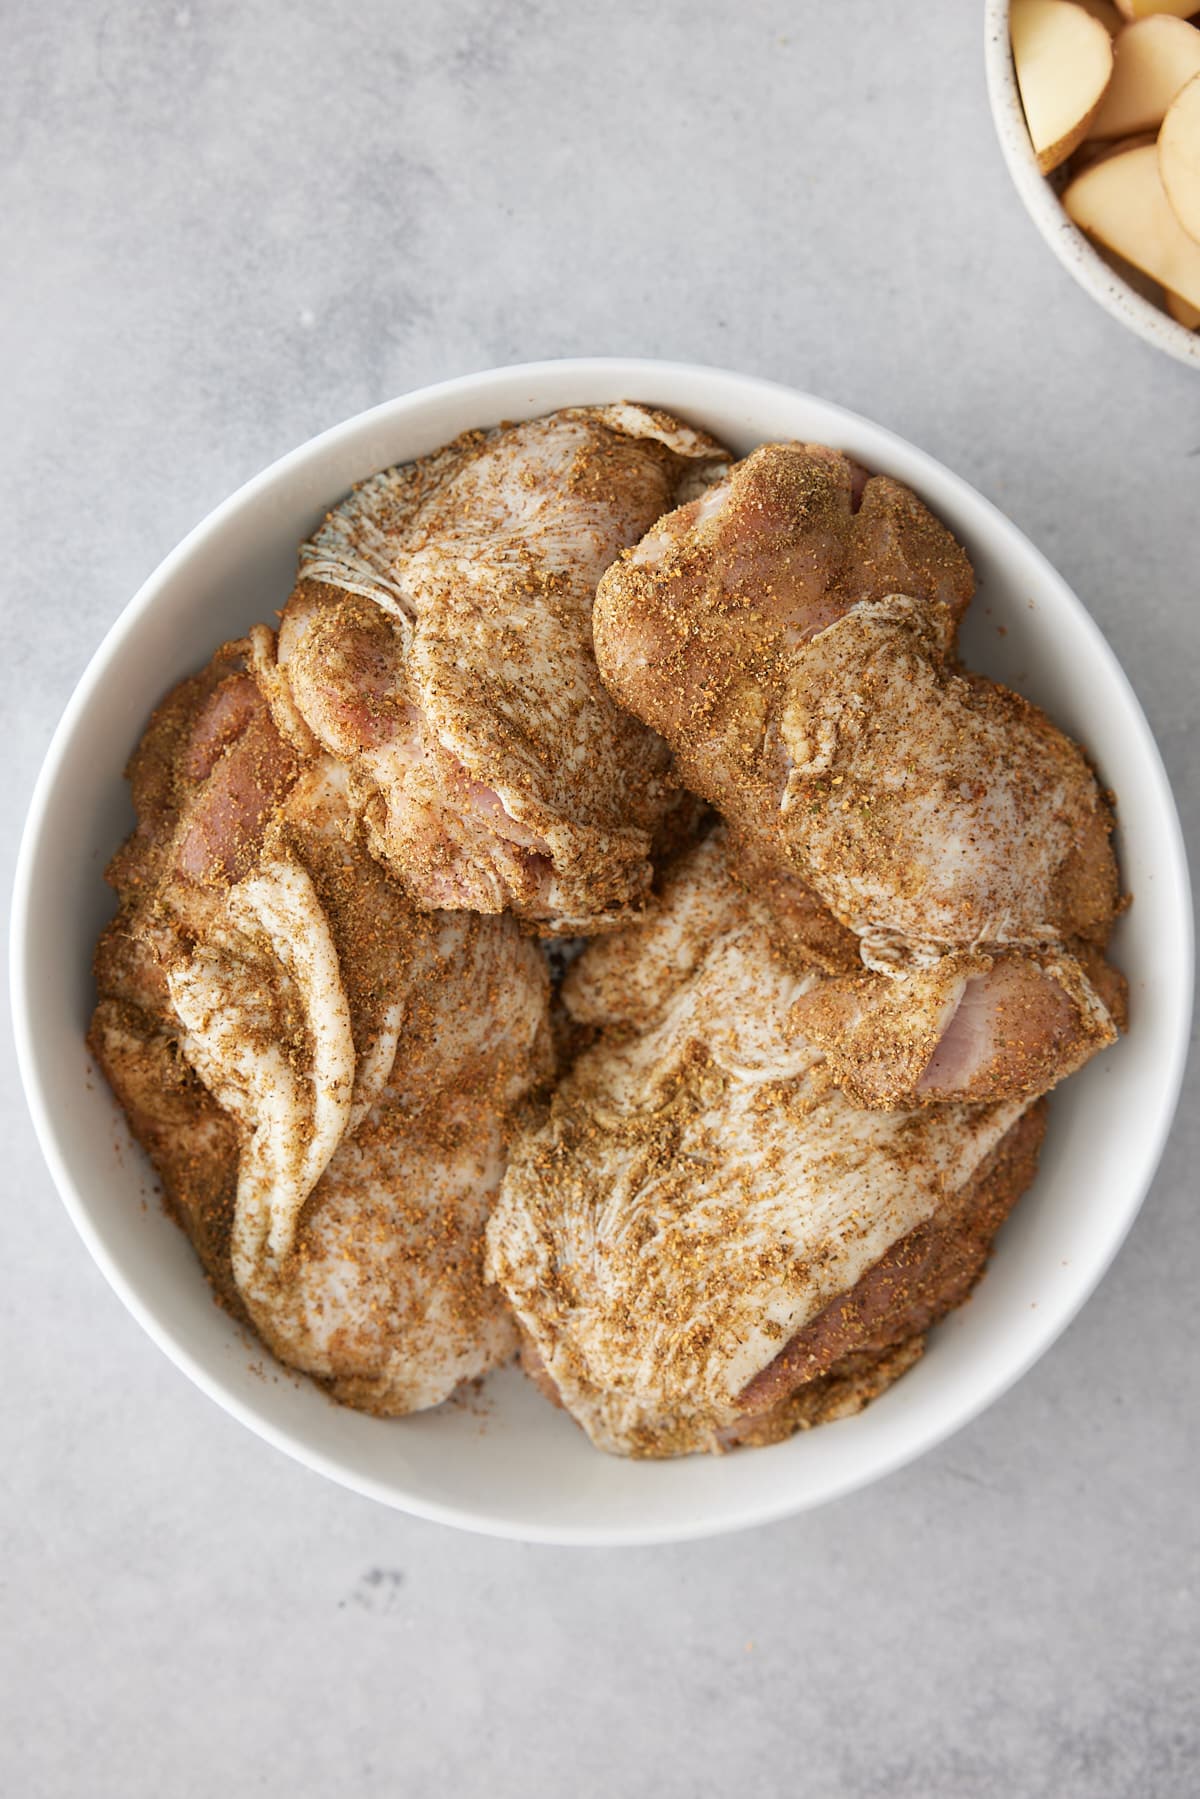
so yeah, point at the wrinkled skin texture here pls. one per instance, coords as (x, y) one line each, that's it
(702, 1201)
(323, 1075)
(761, 633)
(878, 1327)
(439, 646)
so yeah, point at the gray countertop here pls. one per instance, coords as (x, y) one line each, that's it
(230, 225)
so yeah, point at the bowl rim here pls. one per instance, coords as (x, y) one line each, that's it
(748, 392)
(1071, 245)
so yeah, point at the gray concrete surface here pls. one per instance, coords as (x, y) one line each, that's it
(226, 226)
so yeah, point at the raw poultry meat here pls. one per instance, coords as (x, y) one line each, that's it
(705, 1241)
(791, 634)
(969, 1027)
(438, 644)
(324, 1075)
(798, 1090)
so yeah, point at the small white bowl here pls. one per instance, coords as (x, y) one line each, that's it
(526, 1471)
(1042, 203)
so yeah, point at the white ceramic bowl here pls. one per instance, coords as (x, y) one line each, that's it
(530, 1473)
(1042, 204)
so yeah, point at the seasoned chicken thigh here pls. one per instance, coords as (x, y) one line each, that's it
(797, 655)
(707, 1242)
(970, 1027)
(439, 645)
(324, 1075)
(191, 1142)
(382, 1293)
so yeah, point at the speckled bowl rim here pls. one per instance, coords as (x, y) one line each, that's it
(1042, 204)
